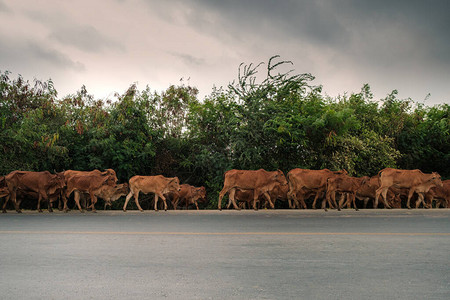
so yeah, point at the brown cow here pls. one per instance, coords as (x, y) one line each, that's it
(343, 184)
(368, 190)
(260, 181)
(43, 184)
(189, 194)
(88, 184)
(302, 195)
(279, 192)
(302, 181)
(414, 180)
(71, 173)
(159, 185)
(439, 193)
(111, 193)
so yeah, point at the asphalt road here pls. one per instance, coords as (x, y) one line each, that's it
(281, 254)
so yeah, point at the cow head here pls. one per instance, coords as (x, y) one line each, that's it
(436, 179)
(112, 174)
(201, 192)
(122, 188)
(365, 180)
(57, 181)
(280, 178)
(174, 185)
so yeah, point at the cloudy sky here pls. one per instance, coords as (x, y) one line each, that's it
(109, 44)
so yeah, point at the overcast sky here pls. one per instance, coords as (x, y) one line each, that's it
(109, 44)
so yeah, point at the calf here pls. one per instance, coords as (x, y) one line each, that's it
(189, 194)
(86, 184)
(111, 193)
(367, 191)
(439, 193)
(159, 185)
(343, 184)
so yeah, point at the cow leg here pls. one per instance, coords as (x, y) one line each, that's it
(255, 198)
(47, 198)
(14, 201)
(136, 200)
(420, 200)
(50, 205)
(77, 201)
(272, 204)
(130, 194)
(315, 200)
(196, 205)
(221, 194)
(366, 200)
(353, 195)
(377, 195)
(4, 204)
(383, 192)
(410, 194)
(60, 204)
(163, 199)
(93, 201)
(165, 202)
(325, 199)
(231, 196)
(290, 197)
(343, 199)
(39, 203)
(156, 202)
(333, 197)
(64, 199)
(176, 199)
(229, 203)
(302, 202)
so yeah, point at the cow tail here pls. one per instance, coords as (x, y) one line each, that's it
(379, 176)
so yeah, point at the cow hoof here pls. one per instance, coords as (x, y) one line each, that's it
(141, 210)
(40, 210)
(94, 211)
(124, 210)
(19, 211)
(4, 211)
(356, 209)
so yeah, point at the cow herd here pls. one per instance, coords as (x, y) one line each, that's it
(252, 188)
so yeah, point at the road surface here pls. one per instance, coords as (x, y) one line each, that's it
(268, 254)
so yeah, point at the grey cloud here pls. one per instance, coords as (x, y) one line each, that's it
(85, 38)
(272, 20)
(189, 59)
(53, 57)
(410, 25)
(4, 8)
(69, 32)
(354, 27)
(31, 55)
